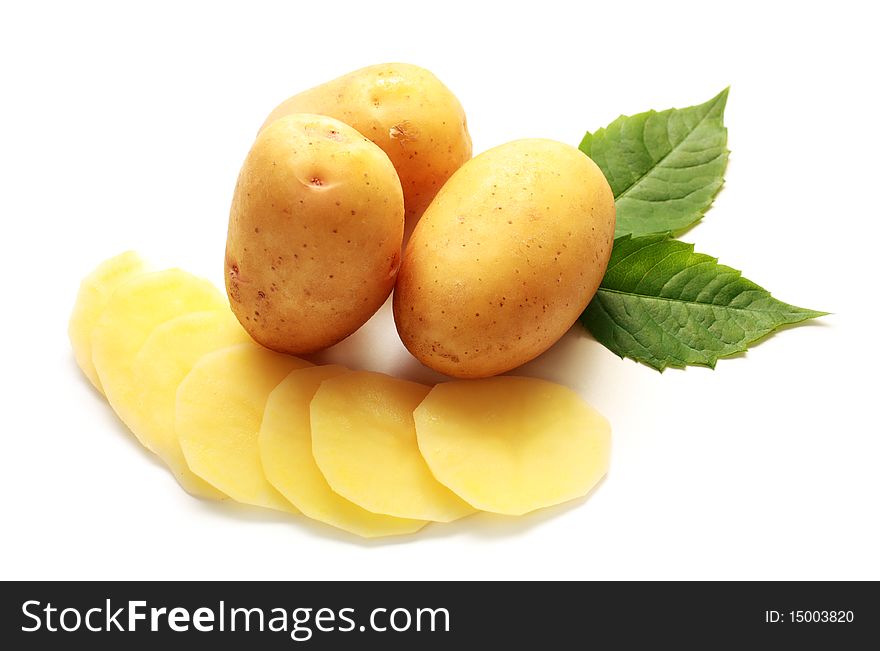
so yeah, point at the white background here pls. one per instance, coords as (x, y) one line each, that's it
(124, 127)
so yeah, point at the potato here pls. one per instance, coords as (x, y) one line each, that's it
(505, 259)
(166, 357)
(364, 442)
(286, 452)
(219, 408)
(134, 310)
(512, 444)
(405, 110)
(315, 232)
(94, 292)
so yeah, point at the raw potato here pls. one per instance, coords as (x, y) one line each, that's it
(134, 310)
(512, 444)
(407, 112)
(220, 407)
(505, 259)
(286, 451)
(94, 293)
(162, 363)
(315, 232)
(364, 442)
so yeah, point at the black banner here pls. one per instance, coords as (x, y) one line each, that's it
(331, 615)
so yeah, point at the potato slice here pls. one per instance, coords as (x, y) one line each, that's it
(286, 451)
(94, 293)
(364, 442)
(220, 407)
(131, 314)
(512, 444)
(163, 361)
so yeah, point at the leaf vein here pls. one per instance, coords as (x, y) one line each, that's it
(659, 163)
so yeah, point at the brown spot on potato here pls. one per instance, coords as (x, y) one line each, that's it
(450, 356)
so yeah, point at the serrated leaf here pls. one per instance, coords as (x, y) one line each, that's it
(662, 304)
(664, 168)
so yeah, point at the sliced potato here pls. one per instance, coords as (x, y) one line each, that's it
(286, 452)
(219, 409)
(94, 293)
(131, 314)
(512, 444)
(166, 357)
(364, 442)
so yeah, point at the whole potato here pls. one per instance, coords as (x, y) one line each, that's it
(315, 232)
(405, 110)
(505, 258)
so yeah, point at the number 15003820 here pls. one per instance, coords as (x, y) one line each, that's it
(809, 616)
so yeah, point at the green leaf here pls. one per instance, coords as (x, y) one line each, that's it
(664, 305)
(664, 168)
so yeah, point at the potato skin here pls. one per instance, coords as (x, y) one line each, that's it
(405, 110)
(315, 232)
(505, 258)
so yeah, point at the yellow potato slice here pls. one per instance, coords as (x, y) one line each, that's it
(512, 444)
(131, 314)
(286, 451)
(220, 407)
(94, 293)
(364, 442)
(166, 357)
